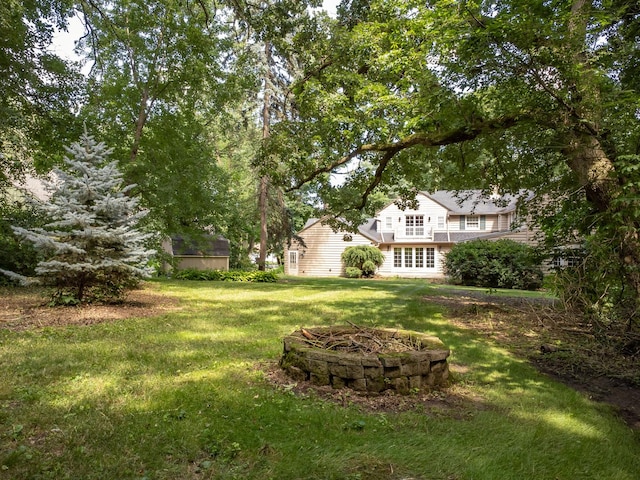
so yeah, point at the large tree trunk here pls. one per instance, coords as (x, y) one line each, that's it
(263, 195)
(595, 166)
(139, 126)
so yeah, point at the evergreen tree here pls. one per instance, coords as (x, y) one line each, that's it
(92, 247)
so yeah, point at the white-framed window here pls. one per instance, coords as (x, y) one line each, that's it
(397, 257)
(293, 257)
(472, 222)
(419, 257)
(430, 257)
(440, 222)
(388, 223)
(414, 225)
(408, 257)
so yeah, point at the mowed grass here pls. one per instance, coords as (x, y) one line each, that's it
(183, 396)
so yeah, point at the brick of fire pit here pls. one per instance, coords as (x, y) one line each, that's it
(424, 367)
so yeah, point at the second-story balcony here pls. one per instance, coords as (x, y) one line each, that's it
(413, 233)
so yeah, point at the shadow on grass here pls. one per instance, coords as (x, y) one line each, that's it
(177, 396)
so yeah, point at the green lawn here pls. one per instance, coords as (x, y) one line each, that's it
(179, 397)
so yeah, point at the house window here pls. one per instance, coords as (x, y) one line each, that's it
(414, 225)
(408, 257)
(440, 223)
(388, 223)
(473, 222)
(419, 257)
(430, 257)
(293, 257)
(397, 257)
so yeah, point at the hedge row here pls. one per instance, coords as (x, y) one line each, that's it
(495, 264)
(230, 276)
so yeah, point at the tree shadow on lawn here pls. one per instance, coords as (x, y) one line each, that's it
(199, 364)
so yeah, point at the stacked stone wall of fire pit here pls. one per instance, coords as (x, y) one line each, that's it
(423, 367)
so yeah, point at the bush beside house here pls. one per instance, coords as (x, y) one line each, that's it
(362, 261)
(494, 264)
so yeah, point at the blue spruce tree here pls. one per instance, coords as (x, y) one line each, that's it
(92, 247)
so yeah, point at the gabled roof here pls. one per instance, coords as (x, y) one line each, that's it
(368, 229)
(208, 246)
(466, 236)
(474, 202)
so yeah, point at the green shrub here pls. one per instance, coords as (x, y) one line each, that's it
(494, 264)
(369, 268)
(353, 272)
(257, 276)
(365, 258)
(17, 256)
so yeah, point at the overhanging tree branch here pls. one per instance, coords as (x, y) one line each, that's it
(432, 139)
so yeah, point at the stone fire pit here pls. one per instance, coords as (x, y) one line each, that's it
(366, 359)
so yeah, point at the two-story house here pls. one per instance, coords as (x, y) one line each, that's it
(414, 242)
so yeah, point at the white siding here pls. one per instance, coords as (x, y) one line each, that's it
(427, 207)
(389, 270)
(522, 235)
(322, 255)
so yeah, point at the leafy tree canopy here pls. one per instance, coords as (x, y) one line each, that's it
(540, 95)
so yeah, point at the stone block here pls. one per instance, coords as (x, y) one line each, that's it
(390, 360)
(349, 359)
(437, 367)
(371, 361)
(422, 356)
(322, 355)
(296, 374)
(337, 382)
(359, 384)
(346, 371)
(412, 369)
(401, 385)
(429, 380)
(318, 367)
(373, 372)
(376, 384)
(439, 355)
(318, 379)
(393, 372)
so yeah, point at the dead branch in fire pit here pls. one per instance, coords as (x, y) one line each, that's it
(363, 340)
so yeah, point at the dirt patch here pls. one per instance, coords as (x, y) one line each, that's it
(26, 308)
(559, 343)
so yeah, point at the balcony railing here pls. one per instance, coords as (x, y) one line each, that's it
(417, 233)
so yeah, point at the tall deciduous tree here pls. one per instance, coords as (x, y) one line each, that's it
(514, 94)
(38, 90)
(269, 27)
(163, 73)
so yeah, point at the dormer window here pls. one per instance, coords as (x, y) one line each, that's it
(473, 222)
(414, 225)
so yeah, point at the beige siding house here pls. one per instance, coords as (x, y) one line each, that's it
(320, 256)
(413, 241)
